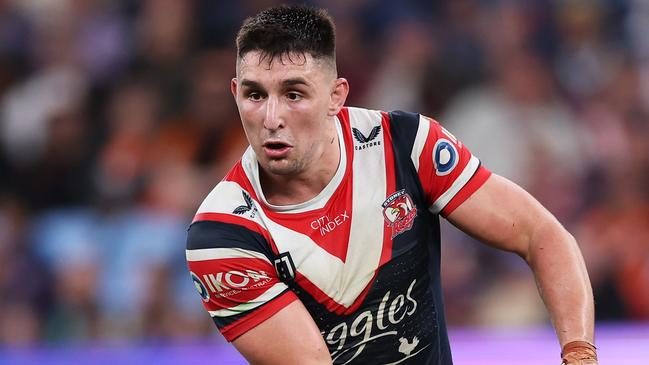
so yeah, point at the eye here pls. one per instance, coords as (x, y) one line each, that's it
(255, 96)
(294, 96)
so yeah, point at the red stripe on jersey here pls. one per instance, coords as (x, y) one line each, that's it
(435, 185)
(235, 219)
(234, 281)
(248, 322)
(238, 175)
(476, 181)
(343, 115)
(320, 296)
(391, 186)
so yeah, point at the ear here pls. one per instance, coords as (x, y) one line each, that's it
(233, 87)
(338, 96)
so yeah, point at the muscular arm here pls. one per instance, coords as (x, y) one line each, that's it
(288, 337)
(505, 216)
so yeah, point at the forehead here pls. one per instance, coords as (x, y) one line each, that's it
(254, 66)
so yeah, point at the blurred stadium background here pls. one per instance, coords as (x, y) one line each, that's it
(116, 119)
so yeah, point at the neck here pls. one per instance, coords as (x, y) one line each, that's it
(296, 189)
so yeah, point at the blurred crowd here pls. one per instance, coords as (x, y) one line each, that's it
(116, 119)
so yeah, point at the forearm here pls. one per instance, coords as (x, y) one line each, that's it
(563, 282)
(503, 215)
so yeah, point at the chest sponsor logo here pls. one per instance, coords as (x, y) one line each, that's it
(399, 212)
(225, 284)
(347, 341)
(249, 208)
(325, 224)
(366, 142)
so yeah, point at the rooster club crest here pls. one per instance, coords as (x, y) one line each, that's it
(399, 212)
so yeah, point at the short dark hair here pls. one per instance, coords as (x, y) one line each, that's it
(283, 30)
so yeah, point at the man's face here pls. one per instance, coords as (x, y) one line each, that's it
(286, 108)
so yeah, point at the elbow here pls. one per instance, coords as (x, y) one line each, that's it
(548, 239)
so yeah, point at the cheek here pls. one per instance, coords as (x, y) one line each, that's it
(250, 128)
(312, 114)
(247, 110)
(312, 136)
(249, 115)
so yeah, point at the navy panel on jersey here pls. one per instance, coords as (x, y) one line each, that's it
(211, 234)
(403, 127)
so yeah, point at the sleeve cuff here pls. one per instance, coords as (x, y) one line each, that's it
(477, 180)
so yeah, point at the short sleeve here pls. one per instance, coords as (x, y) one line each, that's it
(234, 276)
(448, 172)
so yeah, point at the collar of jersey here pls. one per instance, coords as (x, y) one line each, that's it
(251, 167)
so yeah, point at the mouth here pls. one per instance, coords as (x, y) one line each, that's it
(276, 149)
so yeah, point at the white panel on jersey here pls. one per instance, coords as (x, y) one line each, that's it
(251, 168)
(420, 141)
(314, 262)
(224, 198)
(269, 294)
(458, 184)
(222, 253)
(366, 235)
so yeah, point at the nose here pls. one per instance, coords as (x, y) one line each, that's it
(272, 120)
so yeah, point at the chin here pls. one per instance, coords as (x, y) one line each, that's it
(281, 167)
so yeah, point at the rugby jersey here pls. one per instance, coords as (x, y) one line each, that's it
(363, 255)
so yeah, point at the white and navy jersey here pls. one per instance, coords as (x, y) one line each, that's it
(363, 255)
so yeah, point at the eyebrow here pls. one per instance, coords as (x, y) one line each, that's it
(288, 82)
(295, 81)
(251, 84)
